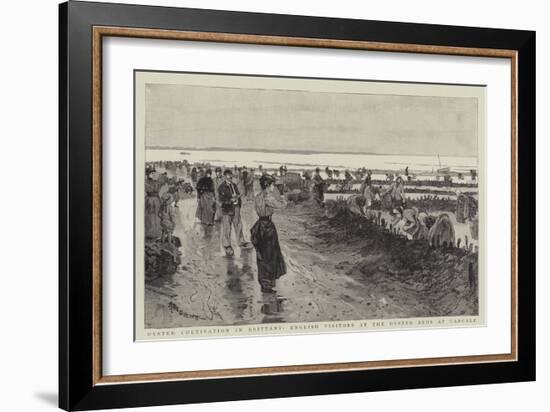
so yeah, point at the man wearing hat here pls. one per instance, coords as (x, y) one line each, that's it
(230, 200)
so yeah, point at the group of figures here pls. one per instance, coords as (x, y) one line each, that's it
(220, 199)
(219, 202)
(369, 196)
(389, 208)
(162, 194)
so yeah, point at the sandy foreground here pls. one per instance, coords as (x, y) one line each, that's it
(337, 270)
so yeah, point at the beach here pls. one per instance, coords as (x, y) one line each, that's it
(338, 269)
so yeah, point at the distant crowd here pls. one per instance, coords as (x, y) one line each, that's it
(221, 192)
(167, 182)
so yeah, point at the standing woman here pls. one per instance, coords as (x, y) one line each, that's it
(271, 264)
(318, 187)
(206, 207)
(398, 193)
(395, 192)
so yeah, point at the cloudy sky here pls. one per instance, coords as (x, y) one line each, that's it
(201, 117)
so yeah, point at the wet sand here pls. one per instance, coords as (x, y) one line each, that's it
(336, 271)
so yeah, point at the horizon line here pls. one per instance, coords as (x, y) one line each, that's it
(292, 151)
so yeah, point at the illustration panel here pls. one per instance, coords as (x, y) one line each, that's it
(278, 205)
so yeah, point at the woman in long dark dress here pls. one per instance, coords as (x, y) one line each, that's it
(206, 206)
(271, 264)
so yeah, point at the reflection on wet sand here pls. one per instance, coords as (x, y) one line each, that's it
(272, 308)
(271, 305)
(328, 278)
(235, 294)
(210, 288)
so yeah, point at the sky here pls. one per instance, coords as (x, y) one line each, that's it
(185, 116)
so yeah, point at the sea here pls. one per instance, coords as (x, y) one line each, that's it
(309, 161)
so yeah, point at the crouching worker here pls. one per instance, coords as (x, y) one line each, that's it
(356, 204)
(271, 264)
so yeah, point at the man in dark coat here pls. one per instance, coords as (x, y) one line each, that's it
(230, 200)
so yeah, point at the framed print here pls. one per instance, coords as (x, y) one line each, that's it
(257, 205)
(283, 297)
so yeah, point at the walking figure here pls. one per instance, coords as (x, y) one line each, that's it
(206, 202)
(270, 261)
(230, 200)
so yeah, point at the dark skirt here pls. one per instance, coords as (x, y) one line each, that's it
(271, 264)
(206, 208)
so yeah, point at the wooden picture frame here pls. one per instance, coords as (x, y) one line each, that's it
(83, 26)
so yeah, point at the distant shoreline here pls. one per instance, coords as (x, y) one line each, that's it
(287, 151)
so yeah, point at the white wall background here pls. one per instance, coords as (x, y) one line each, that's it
(28, 209)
